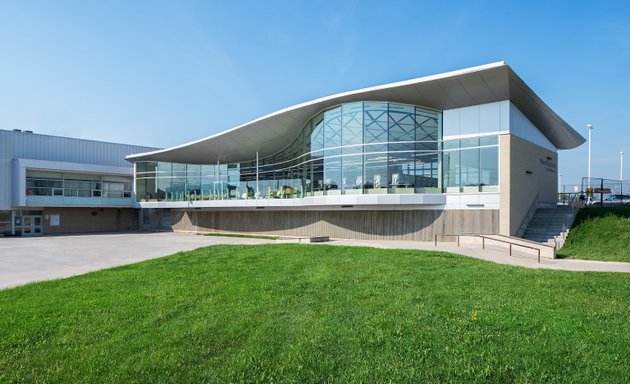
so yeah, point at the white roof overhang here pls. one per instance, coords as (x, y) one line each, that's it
(272, 133)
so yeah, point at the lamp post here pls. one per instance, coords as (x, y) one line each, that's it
(590, 129)
(621, 175)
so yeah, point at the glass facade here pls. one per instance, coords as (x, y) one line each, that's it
(471, 164)
(51, 183)
(354, 148)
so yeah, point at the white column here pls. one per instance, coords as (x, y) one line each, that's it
(133, 185)
(257, 191)
(621, 165)
(590, 129)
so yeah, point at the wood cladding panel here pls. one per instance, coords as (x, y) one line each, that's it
(366, 225)
(85, 220)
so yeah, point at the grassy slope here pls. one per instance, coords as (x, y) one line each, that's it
(599, 234)
(312, 313)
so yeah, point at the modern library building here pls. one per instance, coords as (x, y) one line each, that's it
(469, 151)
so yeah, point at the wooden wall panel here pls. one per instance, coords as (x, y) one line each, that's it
(85, 220)
(355, 224)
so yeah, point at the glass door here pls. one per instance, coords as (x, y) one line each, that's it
(31, 225)
(27, 225)
(37, 225)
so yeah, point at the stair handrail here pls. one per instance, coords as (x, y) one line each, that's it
(504, 239)
(528, 216)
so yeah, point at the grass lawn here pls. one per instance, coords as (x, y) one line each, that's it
(599, 234)
(315, 313)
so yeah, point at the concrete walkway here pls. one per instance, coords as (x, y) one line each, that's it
(495, 254)
(26, 260)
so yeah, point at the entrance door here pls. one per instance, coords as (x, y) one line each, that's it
(31, 225)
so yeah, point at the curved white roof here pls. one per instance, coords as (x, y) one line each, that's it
(272, 133)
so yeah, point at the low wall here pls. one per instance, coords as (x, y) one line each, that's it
(351, 224)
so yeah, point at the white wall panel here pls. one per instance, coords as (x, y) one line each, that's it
(490, 117)
(501, 116)
(476, 119)
(450, 122)
(469, 120)
(520, 126)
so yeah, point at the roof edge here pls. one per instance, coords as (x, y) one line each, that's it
(478, 68)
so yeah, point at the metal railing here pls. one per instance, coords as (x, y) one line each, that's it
(76, 192)
(605, 192)
(483, 242)
(531, 211)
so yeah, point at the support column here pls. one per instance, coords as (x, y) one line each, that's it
(257, 190)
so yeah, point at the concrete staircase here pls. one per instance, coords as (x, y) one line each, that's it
(550, 225)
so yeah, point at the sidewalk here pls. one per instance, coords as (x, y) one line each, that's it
(26, 260)
(494, 254)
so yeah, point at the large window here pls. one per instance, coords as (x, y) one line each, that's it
(65, 184)
(354, 148)
(471, 165)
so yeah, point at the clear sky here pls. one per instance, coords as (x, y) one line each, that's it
(161, 73)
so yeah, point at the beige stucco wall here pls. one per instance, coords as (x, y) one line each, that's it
(525, 170)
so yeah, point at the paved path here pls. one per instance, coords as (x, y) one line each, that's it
(495, 254)
(26, 260)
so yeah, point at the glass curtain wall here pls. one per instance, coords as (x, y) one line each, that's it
(354, 148)
(51, 183)
(471, 165)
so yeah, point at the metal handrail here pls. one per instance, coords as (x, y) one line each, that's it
(483, 242)
(528, 216)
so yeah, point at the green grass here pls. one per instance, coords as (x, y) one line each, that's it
(293, 313)
(599, 234)
(264, 237)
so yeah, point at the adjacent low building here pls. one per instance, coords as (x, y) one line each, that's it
(469, 151)
(51, 184)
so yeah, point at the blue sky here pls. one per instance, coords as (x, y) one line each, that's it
(162, 73)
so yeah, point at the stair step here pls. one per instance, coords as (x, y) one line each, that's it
(539, 221)
(547, 224)
(548, 227)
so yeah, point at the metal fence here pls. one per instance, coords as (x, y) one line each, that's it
(599, 192)
(604, 192)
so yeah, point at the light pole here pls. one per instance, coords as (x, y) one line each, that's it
(560, 183)
(590, 129)
(620, 165)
